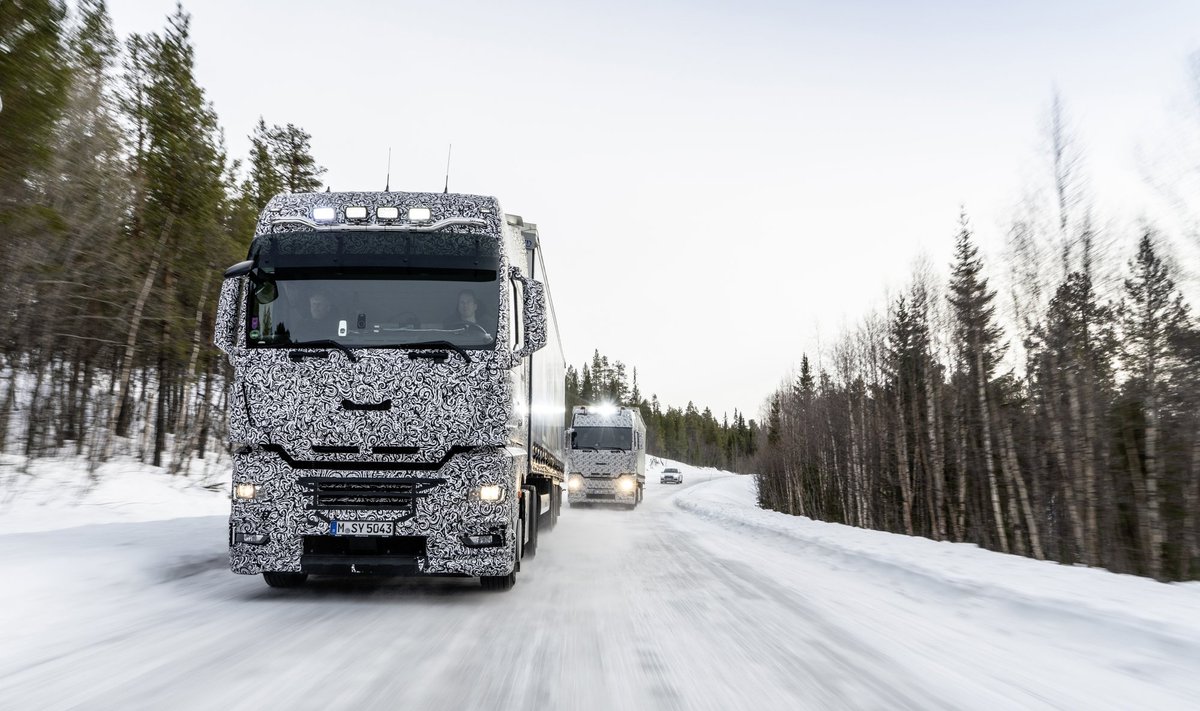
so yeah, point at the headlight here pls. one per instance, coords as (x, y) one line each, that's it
(491, 493)
(245, 492)
(576, 483)
(626, 484)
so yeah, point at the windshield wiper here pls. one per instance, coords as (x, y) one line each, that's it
(438, 344)
(327, 342)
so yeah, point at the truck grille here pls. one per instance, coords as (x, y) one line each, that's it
(365, 494)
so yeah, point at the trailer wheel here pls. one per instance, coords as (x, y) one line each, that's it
(531, 521)
(550, 519)
(285, 580)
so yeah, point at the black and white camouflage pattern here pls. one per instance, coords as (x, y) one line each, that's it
(456, 416)
(600, 470)
(441, 206)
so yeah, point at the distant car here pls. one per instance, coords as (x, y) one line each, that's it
(671, 475)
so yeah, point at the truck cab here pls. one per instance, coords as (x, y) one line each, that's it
(606, 456)
(397, 393)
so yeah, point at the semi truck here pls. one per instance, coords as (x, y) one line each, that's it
(397, 399)
(606, 456)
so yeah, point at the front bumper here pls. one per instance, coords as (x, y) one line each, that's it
(288, 526)
(602, 491)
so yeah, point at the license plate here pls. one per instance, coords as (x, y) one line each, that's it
(362, 528)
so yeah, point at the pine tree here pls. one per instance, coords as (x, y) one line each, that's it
(978, 339)
(1073, 375)
(1152, 317)
(179, 216)
(89, 192)
(292, 155)
(265, 179)
(34, 76)
(587, 387)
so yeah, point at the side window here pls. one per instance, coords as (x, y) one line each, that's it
(518, 298)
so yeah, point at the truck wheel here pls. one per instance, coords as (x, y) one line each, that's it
(285, 580)
(498, 582)
(550, 518)
(531, 521)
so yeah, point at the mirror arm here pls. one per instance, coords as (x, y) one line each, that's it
(240, 269)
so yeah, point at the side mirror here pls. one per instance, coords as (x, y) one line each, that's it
(225, 332)
(534, 313)
(568, 438)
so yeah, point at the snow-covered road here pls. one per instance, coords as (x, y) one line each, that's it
(696, 600)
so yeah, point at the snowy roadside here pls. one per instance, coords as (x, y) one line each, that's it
(56, 493)
(1168, 610)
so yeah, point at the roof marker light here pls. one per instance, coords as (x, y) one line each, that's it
(324, 214)
(419, 214)
(358, 212)
(387, 213)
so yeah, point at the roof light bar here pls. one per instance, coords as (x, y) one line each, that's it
(605, 409)
(431, 227)
(387, 213)
(324, 214)
(419, 214)
(357, 212)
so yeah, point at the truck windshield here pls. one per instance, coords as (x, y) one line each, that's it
(603, 438)
(375, 312)
(373, 289)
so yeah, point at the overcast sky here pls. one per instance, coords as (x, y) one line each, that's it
(719, 186)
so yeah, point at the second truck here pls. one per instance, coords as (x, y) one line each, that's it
(606, 456)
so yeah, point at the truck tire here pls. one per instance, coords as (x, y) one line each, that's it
(556, 495)
(546, 521)
(531, 520)
(285, 580)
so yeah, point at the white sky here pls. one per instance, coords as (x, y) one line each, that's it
(719, 186)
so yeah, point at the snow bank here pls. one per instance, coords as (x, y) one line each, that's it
(1169, 610)
(56, 493)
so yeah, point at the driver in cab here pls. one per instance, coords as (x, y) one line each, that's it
(465, 318)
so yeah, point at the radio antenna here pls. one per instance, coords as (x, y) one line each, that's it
(387, 184)
(446, 189)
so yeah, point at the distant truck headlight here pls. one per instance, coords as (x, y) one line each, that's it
(245, 492)
(491, 493)
(576, 483)
(626, 484)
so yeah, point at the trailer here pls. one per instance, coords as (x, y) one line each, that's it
(606, 456)
(397, 399)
